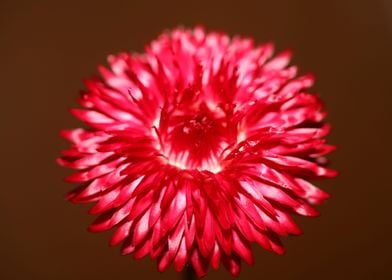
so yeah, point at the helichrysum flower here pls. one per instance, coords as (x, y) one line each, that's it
(197, 148)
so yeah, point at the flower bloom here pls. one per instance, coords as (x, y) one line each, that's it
(197, 148)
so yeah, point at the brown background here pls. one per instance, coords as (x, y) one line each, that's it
(47, 47)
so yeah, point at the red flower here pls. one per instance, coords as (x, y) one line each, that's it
(197, 148)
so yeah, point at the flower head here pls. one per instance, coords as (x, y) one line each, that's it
(197, 148)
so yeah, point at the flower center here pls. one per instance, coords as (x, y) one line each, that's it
(194, 137)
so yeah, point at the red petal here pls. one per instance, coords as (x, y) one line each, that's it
(181, 257)
(232, 264)
(121, 233)
(216, 256)
(278, 62)
(141, 229)
(163, 261)
(242, 248)
(175, 238)
(198, 263)
(206, 238)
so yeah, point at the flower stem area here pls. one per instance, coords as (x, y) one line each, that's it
(188, 273)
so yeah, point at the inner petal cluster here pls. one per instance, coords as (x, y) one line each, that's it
(193, 131)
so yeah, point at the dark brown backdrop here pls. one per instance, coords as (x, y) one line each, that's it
(47, 47)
